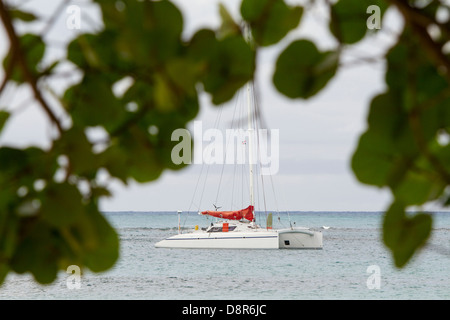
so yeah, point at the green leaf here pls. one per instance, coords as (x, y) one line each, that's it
(12, 162)
(417, 189)
(412, 75)
(270, 20)
(227, 63)
(22, 15)
(114, 160)
(93, 103)
(160, 23)
(97, 240)
(228, 26)
(302, 70)
(3, 118)
(9, 225)
(405, 234)
(37, 252)
(191, 72)
(74, 144)
(144, 166)
(34, 47)
(61, 204)
(348, 20)
(387, 145)
(252, 10)
(372, 152)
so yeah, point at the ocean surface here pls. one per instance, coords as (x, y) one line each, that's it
(354, 264)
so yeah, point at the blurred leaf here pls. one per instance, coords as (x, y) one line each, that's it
(349, 19)
(61, 204)
(144, 165)
(270, 20)
(37, 252)
(3, 118)
(74, 144)
(22, 15)
(8, 235)
(160, 23)
(417, 189)
(405, 234)
(228, 26)
(114, 160)
(302, 70)
(18, 167)
(98, 241)
(373, 153)
(228, 63)
(400, 148)
(89, 51)
(90, 100)
(191, 74)
(34, 47)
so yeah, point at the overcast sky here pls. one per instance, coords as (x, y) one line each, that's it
(317, 137)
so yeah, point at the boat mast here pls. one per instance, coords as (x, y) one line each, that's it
(250, 129)
(250, 148)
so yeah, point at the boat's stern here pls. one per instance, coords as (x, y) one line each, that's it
(300, 238)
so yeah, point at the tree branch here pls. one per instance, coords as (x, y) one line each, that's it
(19, 58)
(419, 23)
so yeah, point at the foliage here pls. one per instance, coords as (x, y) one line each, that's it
(49, 215)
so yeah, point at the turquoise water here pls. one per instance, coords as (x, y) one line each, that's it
(340, 271)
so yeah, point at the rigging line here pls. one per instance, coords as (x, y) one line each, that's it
(242, 152)
(262, 124)
(276, 200)
(204, 185)
(234, 159)
(258, 190)
(226, 148)
(242, 183)
(199, 178)
(193, 195)
(284, 201)
(219, 115)
(232, 187)
(257, 120)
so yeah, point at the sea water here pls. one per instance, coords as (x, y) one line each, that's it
(353, 264)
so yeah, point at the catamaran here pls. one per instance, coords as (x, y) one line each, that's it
(237, 229)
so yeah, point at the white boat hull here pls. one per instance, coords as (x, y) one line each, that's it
(257, 239)
(300, 239)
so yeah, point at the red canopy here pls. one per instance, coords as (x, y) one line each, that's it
(246, 213)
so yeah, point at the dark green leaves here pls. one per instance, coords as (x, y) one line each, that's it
(147, 32)
(58, 197)
(348, 23)
(34, 48)
(400, 149)
(405, 233)
(3, 118)
(270, 20)
(46, 225)
(302, 70)
(349, 19)
(23, 15)
(228, 63)
(89, 100)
